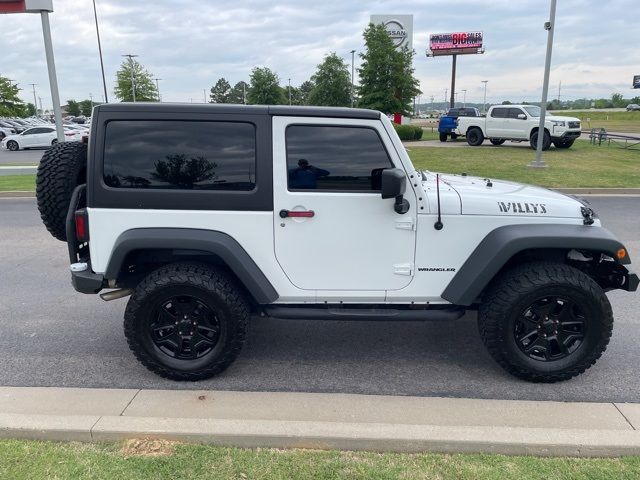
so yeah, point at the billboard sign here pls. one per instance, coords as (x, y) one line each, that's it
(398, 27)
(25, 6)
(455, 43)
(636, 81)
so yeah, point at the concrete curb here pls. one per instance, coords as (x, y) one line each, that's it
(323, 421)
(17, 194)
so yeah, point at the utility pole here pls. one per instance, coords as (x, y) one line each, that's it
(445, 95)
(484, 101)
(204, 95)
(244, 93)
(53, 78)
(464, 98)
(353, 58)
(104, 81)
(559, 87)
(133, 82)
(158, 88)
(41, 110)
(91, 100)
(289, 91)
(35, 101)
(549, 27)
(431, 110)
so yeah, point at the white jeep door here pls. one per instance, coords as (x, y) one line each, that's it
(342, 235)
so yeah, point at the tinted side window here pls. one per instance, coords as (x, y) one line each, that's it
(514, 112)
(335, 158)
(185, 155)
(499, 112)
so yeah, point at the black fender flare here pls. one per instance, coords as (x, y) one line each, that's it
(501, 244)
(184, 239)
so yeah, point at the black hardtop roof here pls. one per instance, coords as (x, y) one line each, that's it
(232, 109)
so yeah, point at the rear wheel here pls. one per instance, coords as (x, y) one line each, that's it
(13, 145)
(186, 321)
(563, 143)
(545, 322)
(62, 167)
(497, 141)
(475, 137)
(546, 140)
(443, 137)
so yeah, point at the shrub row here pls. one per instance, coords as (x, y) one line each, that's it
(408, 132)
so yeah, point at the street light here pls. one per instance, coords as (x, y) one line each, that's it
(35, 101)
(158, 88)
(464, 98)
(133, 82)
(289, 91)
(353, 58)
(484, 102)
(549, 27)
(104, 81)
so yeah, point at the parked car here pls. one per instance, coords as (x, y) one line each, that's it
(519, 123)
(31, 138)
(449, 123)
(633, 107)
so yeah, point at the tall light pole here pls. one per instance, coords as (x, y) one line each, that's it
(289, 91)
(464, 98)
(158, 88)
(484, 101)
(549, 27)
(91, 100)
(133, 82)
(244, 93)
(53, 78)
(104, 81)
(204, 95)
(35, 101)
(353, 59)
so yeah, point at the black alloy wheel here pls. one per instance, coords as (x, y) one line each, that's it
(184, 327)
(550, 329)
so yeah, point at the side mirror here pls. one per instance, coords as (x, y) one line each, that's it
(522, 116)
(394, 184)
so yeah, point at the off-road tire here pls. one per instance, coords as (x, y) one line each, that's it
(497, 141)
(62, 168)
(563, 143)
(475, 137)
(443, 137)
(546, 140)
(217, 290)
(510, 294)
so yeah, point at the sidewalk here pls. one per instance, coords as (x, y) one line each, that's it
(323, 421)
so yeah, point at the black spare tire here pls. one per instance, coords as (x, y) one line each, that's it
(62, 167)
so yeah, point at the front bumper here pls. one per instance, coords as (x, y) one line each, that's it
(569, 135)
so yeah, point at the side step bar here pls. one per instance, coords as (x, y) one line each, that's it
(366, 314)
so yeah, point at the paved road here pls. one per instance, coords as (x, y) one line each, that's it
(21, 157)
(52, 336)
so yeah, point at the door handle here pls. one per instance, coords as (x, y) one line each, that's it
(297, 213)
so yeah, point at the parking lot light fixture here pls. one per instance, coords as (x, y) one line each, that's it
(484, 101)
(133, 82)
(104, 80)
(353, 58)
(289, 91)
(464, 97)
(158, 89)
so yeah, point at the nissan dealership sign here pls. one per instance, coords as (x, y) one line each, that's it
(399, 28)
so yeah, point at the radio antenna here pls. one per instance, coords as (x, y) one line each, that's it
(438, 225)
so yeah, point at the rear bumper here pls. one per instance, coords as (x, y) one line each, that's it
(87, 281)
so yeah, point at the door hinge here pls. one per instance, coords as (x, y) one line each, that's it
(405, 224)
(403, 269)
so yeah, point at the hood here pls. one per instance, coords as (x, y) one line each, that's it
(480, 196)
(561, 118)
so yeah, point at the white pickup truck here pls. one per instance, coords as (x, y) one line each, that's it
(519, 123)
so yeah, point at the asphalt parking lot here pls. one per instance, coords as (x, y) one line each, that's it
(52, 336)
(21, 157)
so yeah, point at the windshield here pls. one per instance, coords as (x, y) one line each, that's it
(533, 110)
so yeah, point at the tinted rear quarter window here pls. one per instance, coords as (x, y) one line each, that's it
(186, 155)
(335, 158)
(499, 113)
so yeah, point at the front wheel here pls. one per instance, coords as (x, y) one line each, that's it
(13, 146)
(186, 321)
(546, 140)
(545, 322)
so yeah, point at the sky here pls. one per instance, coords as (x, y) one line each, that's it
(189, 44)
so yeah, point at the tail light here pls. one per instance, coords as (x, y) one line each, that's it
(82, 225)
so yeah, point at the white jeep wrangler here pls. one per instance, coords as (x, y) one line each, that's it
(519, 123)
(206, 214)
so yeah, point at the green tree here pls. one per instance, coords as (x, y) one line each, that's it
(73, 108)
(238, 94)
(386, 74)
(332, 83)
(85, 107)
(265, 89)
(145, 88)
(220, 92)
(303, 92)
(618, 100)
(10, 103)
(30, 110)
